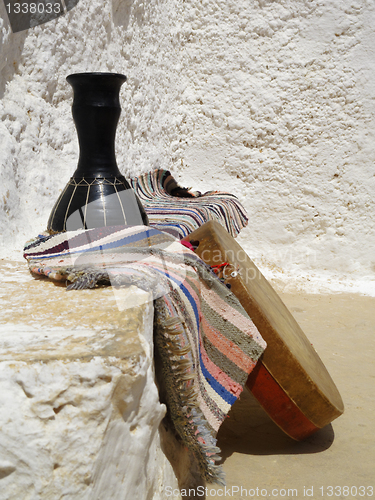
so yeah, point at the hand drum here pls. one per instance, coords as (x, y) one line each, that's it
(290, 381)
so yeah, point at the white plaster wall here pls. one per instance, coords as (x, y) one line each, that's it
(271, 100)
(281, 105)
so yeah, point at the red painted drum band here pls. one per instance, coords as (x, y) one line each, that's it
(290, 360)
(278, 404)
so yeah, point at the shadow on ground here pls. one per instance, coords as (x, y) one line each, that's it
(249, 430)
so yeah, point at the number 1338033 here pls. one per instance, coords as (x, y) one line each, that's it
(33, 8)
(346, 491)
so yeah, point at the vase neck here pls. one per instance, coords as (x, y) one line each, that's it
(96, 111)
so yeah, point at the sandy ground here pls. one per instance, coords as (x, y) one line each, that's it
(337, 461)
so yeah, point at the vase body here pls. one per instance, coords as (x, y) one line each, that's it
(97, 194)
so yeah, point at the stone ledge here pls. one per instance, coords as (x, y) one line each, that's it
(79, 408)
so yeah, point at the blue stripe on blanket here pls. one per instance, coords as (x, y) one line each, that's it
(216, 386)
(186, 292)
(114, 244)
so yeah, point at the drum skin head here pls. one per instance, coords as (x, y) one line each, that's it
(290, 382)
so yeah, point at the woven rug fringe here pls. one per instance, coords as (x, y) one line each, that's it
(182, 401)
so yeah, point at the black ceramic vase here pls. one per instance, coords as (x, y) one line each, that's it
(97, 194)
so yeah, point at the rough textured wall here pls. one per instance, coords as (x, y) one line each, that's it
(280, 103)
(39, 147)
(272, 100)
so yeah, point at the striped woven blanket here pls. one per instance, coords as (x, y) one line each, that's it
(207, 343)
(179, 211)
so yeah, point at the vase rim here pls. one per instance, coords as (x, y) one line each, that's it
(96, 73)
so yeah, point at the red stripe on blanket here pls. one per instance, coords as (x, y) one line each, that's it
(228, 383)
